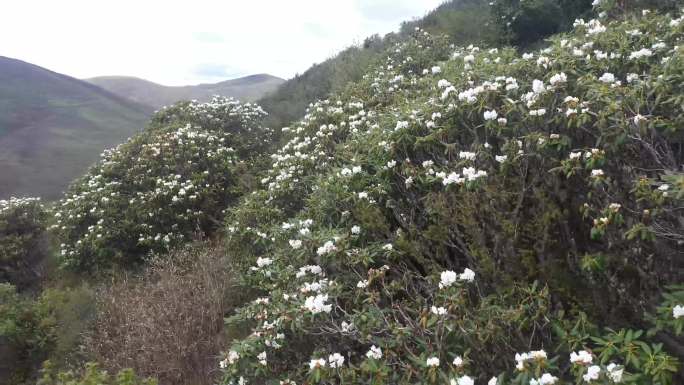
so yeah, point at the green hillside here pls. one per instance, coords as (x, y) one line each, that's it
(52, 127)
(455, 213)
(249, 88)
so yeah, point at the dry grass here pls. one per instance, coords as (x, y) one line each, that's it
(167, 324)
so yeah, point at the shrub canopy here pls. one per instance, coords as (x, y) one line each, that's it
(462, 207)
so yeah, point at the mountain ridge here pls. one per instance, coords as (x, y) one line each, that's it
(53, 126)
(154, 95)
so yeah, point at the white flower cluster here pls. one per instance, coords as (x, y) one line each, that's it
(448, 277)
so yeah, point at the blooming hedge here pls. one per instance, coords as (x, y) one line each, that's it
(469, 215)
(165, 186)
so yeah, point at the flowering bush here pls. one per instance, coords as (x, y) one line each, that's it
(163, 187)
(22, 239)
(468, 215)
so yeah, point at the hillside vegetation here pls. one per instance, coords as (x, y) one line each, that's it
(452, 214)
(52, 127)
(156, 96)
(462, 207)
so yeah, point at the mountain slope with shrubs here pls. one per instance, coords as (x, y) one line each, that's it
(456, 215)
(473, 215)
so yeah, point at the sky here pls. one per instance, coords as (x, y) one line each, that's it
(176, 42)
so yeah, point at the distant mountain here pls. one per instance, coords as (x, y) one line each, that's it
(155, 95)
(52, 127)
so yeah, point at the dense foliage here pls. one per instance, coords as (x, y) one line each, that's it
(166, 186)
(33, 330)
(22, 240)
(472, 214)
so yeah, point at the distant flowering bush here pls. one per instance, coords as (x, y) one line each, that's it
(23, 223)
(487, 222)
(163, 187)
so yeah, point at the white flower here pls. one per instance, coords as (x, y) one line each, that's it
(539, 112)
(447, 278)
(452, 178)
(388, 247)
(458, 361)
(317, 363)
(558, 79)
(467, 155)
(632, 77)
(401, 125)
(438, 310)
(678, 311)
(501, 158)
(592, 374)
(467, 275)
(582, 357)
(465, 380)
(639, 118)
(261, 262)
(391, 163)
(362, 284)
(490, 115)
(262, 358)
(336, 360)
(232, 357)
(546, 379)
(356, 230)
(317, 304)
(644, 52)
(436, 70)
(295, 243)
(492, 381)
(615, 373)
(347, 327)
(374, 353)
(471, 174)
(468, 59)
(443, 83)
(223, 364)
(597, 173)
(538, 355)
(502, 121)
(432, 362)
(538, 86)
(327, 248)
(607, 78)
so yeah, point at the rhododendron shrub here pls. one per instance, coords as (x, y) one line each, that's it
(165, 186)
(486, 217)
(23, 245)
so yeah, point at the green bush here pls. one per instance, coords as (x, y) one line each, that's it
(166, 186)
(91, 375)
(23, 242)
(33, 330)
(462, 207)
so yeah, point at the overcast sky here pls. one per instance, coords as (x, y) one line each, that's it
(193, 41)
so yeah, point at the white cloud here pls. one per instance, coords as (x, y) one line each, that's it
(174, 42)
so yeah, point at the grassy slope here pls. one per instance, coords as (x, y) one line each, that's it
(52, 127)
(155, 95)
